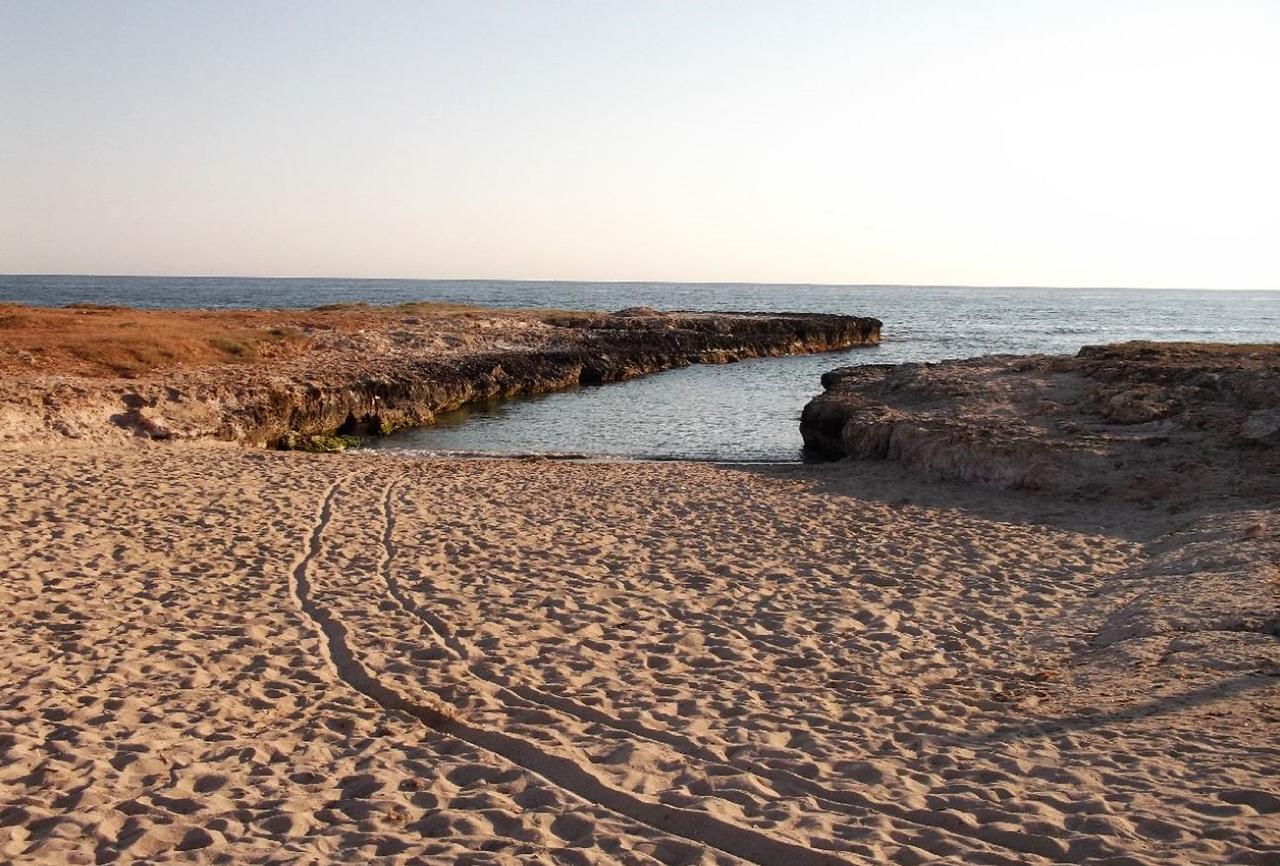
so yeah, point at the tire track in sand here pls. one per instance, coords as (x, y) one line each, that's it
(565, 773)
(334, 647)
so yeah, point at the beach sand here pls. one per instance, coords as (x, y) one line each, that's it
(216, 655)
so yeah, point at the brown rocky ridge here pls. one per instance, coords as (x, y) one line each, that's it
(1148, 421)
(297, 377)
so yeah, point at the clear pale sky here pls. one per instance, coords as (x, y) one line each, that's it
(1008, 143)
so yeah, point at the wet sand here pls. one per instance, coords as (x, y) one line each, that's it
(221, 655)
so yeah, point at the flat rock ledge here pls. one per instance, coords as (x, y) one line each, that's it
(392, 370)
(1146, 421)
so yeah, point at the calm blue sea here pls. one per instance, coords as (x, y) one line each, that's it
(745, 411)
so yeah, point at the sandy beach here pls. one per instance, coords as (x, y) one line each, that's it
(219, 655)
(639, 434)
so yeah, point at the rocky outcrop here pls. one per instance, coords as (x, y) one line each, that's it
(1145, 420)
(395, 370)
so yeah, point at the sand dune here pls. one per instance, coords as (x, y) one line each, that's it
(215, 655)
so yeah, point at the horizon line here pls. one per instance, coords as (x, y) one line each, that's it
(992, 286)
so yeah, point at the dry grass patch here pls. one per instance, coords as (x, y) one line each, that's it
(117, 341)
(108, 341)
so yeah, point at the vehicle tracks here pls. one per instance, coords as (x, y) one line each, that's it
(562, 771)
(577, 778)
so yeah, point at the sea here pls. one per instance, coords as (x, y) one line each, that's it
(743, 412)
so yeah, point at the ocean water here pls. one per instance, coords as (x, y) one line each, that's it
(747, 411)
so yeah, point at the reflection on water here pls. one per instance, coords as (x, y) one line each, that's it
(748, 411)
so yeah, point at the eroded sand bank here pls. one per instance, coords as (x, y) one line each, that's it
(218, 655)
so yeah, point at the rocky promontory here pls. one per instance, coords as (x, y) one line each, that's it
(294, 377)
(1149, 421)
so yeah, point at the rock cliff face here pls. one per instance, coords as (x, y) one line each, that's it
(372, 370)
(1146, 420)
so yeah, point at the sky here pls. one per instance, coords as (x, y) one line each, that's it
(974, 143)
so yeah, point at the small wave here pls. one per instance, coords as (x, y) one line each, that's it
(455, 454)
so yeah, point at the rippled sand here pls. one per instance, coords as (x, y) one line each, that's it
(217, 655)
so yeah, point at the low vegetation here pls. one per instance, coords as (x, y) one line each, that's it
(117, 341)
(103, 340)
(318, 443)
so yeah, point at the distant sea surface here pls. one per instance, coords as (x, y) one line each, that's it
(739, 412)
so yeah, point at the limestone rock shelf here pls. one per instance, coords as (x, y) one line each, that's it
(1152, 421)
(272, 376)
